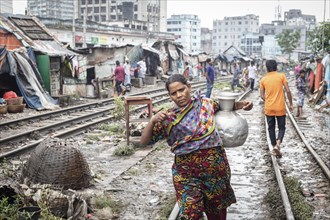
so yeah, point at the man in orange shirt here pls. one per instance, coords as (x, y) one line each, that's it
(271, 91)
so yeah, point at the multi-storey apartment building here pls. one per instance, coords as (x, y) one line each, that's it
(206, 40)
(230, 30)
(148, 15)
(187, 28)
(6, 6)
(296, 15)
(63, 9)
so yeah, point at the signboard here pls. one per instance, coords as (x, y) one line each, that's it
(78, 39)
(104, 40)
(95, 40)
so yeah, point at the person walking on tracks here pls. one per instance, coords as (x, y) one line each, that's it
(119, 75)
(252, 74)
(301, 87)
(271, 91)
(201, 173)
(209, 77)
(235, 81)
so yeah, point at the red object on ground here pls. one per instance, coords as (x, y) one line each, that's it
(9, 95)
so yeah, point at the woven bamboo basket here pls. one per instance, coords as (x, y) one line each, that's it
(59, 163)
(3, 109)
(15, 101)
(16, 108)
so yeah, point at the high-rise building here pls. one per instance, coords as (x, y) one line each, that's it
(6, 6)
(148, 15)
(230, 31)
(63, 9)
(206, 40)
(295, 15)
(187, 28)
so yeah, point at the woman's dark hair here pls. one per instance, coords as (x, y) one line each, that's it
(271, 65)
(175, 78)
(302, 71)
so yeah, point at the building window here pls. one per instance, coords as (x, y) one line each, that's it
(113, 17)
(103, 9)
(90, 2)
(96, 10)
(83, 2)
(96, 1)
(104, 1)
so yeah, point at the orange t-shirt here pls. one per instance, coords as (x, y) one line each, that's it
(273, 83)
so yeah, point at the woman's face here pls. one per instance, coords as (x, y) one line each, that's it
(179, 93)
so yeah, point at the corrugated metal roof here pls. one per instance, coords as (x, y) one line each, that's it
(31, 28)
(51, 48)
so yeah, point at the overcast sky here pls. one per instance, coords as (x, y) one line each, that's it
(209, 10)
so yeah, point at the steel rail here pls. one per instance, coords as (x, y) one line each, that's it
(175, 211)
(70, 131)
(318, 159)
(77, 119)
(280, 182)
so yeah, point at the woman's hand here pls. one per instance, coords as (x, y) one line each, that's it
(248, 105)
(159, 117)
(245, 105)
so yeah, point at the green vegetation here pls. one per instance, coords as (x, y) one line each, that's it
(300, 208)
(316, 38)
(119, 111)
(167, 207)
(104, 202)
(221, 86)
(9, 211)
(124, 150)
(113, 128)
(274, 201)
(93, 137)
(288, 41)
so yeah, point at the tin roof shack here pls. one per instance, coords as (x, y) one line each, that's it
(51, 58)
(18, 70)
(172, 56)
(231, 54)
(101, 63)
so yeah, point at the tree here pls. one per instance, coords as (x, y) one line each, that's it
(288, 41)
(315, 37)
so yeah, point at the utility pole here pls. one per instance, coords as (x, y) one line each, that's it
(74, 27)
(323, 34)
(84, 28)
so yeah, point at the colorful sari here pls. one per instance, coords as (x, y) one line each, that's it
(191, 127)
(201, 173)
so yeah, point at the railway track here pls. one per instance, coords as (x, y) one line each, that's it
(255, 171)
(20, 135)
(252, 168)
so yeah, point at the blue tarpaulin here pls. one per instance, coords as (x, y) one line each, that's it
(19, 67)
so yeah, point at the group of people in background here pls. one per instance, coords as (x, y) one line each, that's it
(248, 74)
(122, 75)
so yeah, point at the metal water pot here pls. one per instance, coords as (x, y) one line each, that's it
(232, 126)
